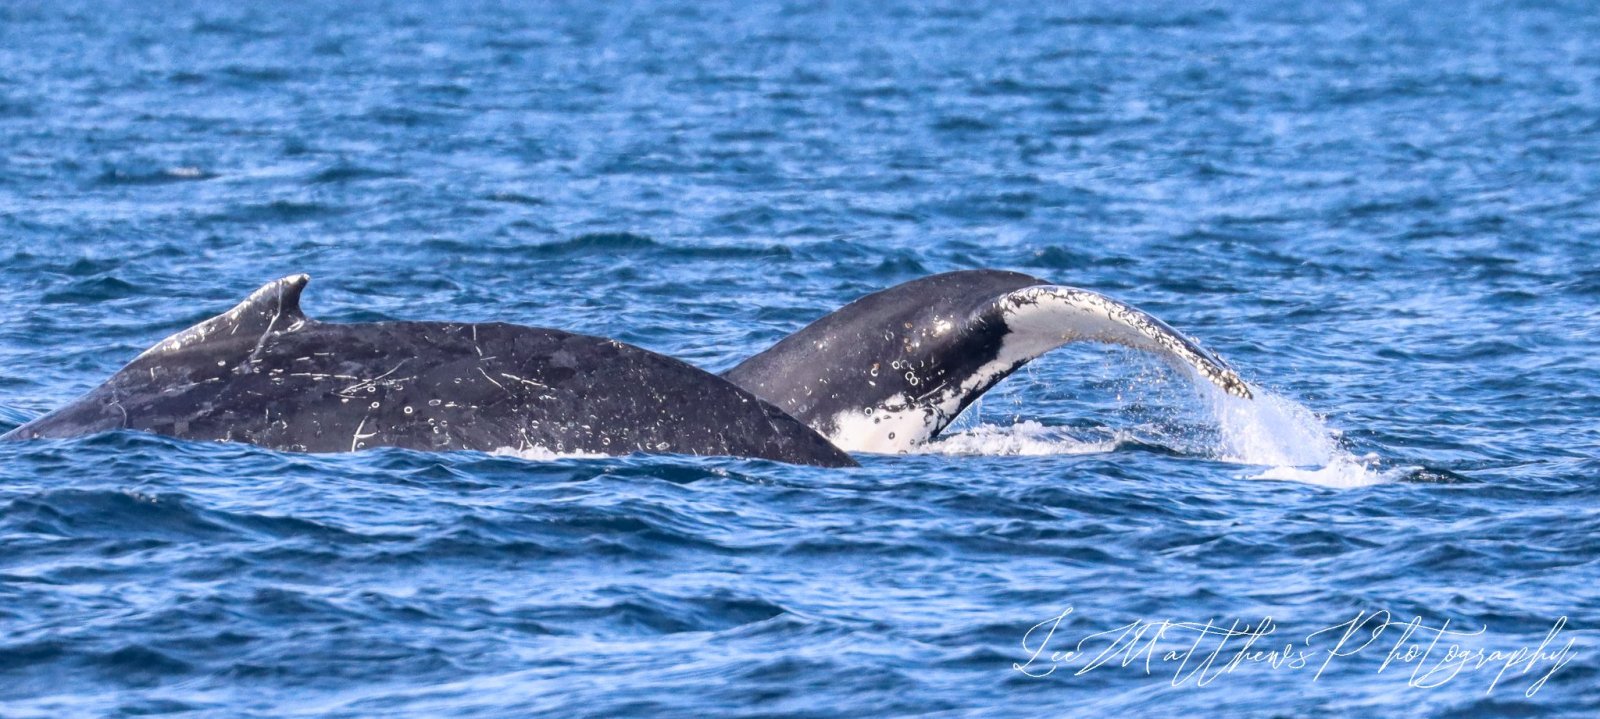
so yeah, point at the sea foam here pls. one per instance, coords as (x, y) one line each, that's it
(1281, 437)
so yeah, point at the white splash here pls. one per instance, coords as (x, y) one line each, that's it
(541, 454)
(1291, 441)
(1270, 430)
(1026, 438)
(1278, 437)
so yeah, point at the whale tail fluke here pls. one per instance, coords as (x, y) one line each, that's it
(894, 368)
(1044, 317)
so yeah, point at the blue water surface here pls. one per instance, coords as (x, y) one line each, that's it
(1388, 213)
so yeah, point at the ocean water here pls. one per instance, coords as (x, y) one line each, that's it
(1386, 216)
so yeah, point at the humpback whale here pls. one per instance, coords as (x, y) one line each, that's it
(882, 374)
(891, 370)
(266, 374)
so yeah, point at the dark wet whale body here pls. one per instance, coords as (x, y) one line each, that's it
(883, 374)
(265, 374)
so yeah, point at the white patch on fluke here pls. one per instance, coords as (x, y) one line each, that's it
(1048, 316)
(883, 430)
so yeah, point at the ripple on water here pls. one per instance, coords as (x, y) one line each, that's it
(1381, 216)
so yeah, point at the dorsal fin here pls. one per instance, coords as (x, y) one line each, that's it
(274, 307)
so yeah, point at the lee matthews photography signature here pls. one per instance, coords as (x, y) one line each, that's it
(1198, 653)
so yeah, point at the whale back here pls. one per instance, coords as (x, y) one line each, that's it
(264, 374)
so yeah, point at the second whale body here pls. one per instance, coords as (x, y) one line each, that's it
(883, 374)
(265, 374)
